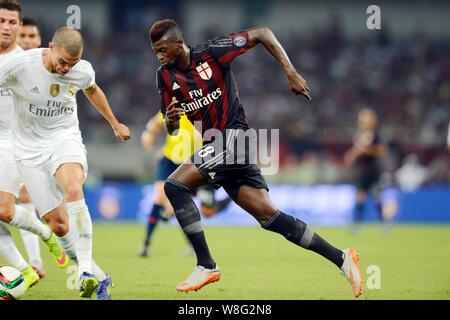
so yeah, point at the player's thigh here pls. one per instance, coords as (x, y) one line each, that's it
(69, 166)
(9, 174)
(42, 187)
(257, 202)
(68, 173)
(188, 174)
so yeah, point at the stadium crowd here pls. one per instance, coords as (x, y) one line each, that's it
(407, 82)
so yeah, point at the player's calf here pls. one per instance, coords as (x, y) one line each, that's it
(58, 225)
(299, 233)
(189, 218)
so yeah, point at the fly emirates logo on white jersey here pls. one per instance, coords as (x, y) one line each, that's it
(52, 109)
(5, 93)
(200, 101)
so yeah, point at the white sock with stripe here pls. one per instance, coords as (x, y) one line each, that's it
(25, 220)
(9, 250)
(80, 222)
(31, 241)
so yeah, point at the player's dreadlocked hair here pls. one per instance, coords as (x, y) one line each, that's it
(11, 5)
(163, 27)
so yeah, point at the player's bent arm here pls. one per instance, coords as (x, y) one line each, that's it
(171, 127)
(152, 129)
(266, 37)
(98, 99)
(378, 150)
(172, 117)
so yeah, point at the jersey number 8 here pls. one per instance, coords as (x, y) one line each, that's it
(206, 151)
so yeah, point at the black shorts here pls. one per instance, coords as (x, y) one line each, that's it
(165, 168)
(368, 179)
(230, 162)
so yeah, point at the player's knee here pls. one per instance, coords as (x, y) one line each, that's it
(59, 226)
(172, 189)
(60, 229)
(264, 213)
(73, 192)
(6, 213)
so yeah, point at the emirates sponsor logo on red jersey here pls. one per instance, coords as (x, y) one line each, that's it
(200, 101)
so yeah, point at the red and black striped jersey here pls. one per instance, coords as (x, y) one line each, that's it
(206, 89)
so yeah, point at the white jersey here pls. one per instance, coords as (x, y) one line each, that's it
(6, 101)
(45, 112)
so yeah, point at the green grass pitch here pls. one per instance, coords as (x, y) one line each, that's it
(414, 263)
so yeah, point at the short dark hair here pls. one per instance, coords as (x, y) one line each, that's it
(69, 39)
(161, 27)
(11, 5)
(29, 21)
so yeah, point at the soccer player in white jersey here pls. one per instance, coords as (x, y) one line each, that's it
(10, 22)
(48, 147)
(30, 38)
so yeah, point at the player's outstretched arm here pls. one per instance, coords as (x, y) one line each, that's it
(152, 129)
(98, 99)
(266, 37)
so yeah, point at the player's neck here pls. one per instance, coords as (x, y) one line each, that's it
(46, 60)
(185, 58)
(8, 49)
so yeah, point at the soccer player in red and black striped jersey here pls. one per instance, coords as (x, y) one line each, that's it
(197, 81)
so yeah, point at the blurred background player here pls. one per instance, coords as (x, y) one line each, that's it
(30, 38)
(10, 23)
(364, 157)
(29, 34)
(175, 150)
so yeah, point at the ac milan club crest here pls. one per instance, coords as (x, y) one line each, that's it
(204, 71)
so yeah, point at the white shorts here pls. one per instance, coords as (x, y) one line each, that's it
(40, 181)
(9, 175)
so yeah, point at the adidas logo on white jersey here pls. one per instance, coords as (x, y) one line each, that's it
(175, 86)
(35, 90)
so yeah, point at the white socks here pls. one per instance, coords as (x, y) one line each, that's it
(81, 225)
(98, 273)
(31, 241)
(67, 243)
(77, 243)
(26, 220)
(9, 250)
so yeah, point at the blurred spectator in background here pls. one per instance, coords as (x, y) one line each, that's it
(411, 175)
(407, 80)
